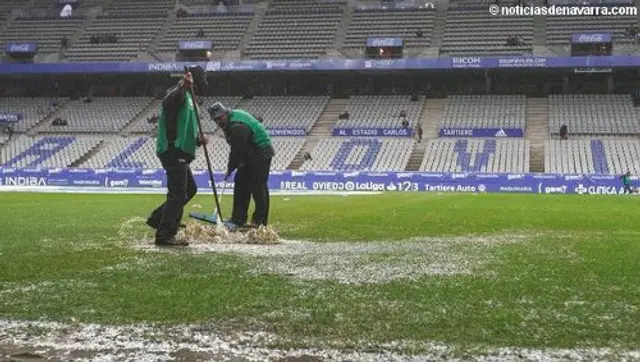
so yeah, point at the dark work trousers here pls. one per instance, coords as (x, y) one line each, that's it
(252, 180)
(181, 189)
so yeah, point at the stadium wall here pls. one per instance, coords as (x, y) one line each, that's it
(326, 181)
(297, 65)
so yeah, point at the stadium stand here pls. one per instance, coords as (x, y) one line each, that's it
(286, 149)
(485, 111)
(593, 155)
(48, 151)
(33, 110)
(380, 112)
(622, 156)
(142, 126)
(87, 4)
(574, 156)
(597, 124)
(470, 30)
(360, 154)
(300, 29)
(133, 31)
(598, 114)
(593, 114)
(146, 8)
(561, 28)
(225, 30)
(278, 112)
(6, 7)
(103, 115)
(4, 138)
(395, 23)
(584, 114)
(476, 155)
(137, 152)
(46, 33)
(288, 112)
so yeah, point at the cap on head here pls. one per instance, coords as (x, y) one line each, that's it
(217, 110)
(199, 76)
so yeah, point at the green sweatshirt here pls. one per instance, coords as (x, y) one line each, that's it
(260, 136)
(186, 128)
(626, 179)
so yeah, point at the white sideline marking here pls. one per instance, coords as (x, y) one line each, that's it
(145, 191)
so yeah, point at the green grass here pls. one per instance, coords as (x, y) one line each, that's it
(575, 282)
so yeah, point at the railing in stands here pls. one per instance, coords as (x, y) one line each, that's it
(201, 10)
(407, 4)
(49, 13)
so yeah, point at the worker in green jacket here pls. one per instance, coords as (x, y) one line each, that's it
(626, 182)
(251, 154)
(177, 139)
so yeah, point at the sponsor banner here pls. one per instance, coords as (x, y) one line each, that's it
(332, 181)
(276, 65)
(171, 67)
(151, 178)
(195, 45)
(300, 65)
(613, 61)
(593, 70)
(547, 176)
(481, 132)
(385, 42)
(373, 132)
(467, 62)
(52, 181)
(7, 118)
(520, 62)
(591, 38)
(241, 65)
(517, 189)
(86, 183)
(293, 132)
(21, 48)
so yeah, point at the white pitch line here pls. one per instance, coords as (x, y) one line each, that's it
(146, 191)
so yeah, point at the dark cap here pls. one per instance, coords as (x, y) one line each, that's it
(217, 110)
(199, 76)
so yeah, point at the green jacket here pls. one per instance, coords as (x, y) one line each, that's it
(247, 138)
(260, 137)
(626, 179)
(177, 124)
